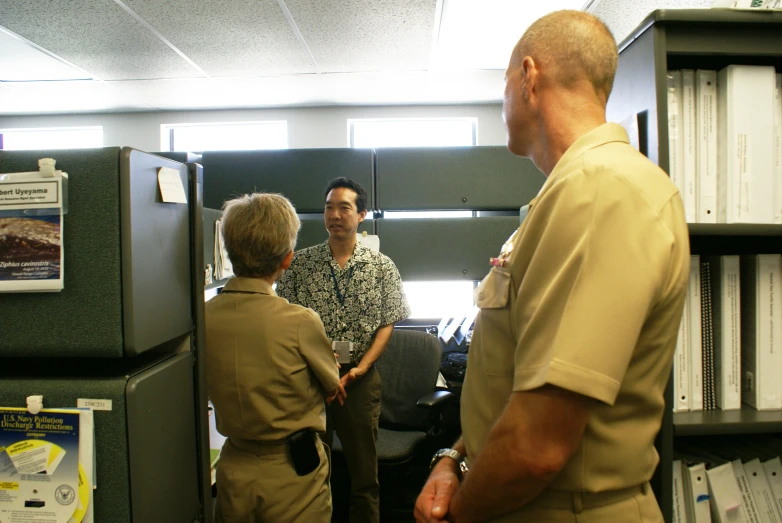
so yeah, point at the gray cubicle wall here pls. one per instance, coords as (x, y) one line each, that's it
(145, 447)
(452, 178)
(299, 174)
(126, 261)
(444, 249)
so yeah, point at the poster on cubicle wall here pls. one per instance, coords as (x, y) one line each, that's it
(41, 477)
(31, 232)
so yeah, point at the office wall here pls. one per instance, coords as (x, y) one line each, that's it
(315, 127)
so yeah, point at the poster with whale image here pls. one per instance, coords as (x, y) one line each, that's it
(31, 233)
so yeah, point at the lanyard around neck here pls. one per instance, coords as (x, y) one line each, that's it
(340, 296)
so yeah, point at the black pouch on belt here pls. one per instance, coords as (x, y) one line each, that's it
(304, 452)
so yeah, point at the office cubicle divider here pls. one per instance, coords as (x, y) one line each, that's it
(126, 328)
(196, 177)
(144, 446)
(454, 178)
(301, 175)
(126, 268)
(449, 249)
(486, 179)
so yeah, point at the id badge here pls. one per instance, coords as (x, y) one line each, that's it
(343, 350)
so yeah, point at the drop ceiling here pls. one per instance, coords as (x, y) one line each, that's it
(68, 56)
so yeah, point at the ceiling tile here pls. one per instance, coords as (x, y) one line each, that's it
(95, 35)
(366, 35)
(481, 35)
(21, 61)
(229, 37)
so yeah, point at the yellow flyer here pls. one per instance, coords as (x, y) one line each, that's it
(39, 466)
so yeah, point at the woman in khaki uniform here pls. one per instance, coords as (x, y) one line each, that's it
(270, 372)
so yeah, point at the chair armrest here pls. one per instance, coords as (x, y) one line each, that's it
(435, 399)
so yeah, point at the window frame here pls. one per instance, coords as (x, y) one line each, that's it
(167, 131)
(9, 130)
(352, 121)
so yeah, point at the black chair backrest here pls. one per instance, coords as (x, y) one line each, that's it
(408, 370)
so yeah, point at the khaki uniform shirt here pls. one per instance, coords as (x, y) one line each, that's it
(268, 363)
(353, 301)
(589, 299)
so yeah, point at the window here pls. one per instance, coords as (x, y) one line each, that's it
(438, 299)
(51, 138)
(241, 136)
(426, 214)
(413, 132)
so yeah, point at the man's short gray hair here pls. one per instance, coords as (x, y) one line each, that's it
(574, 45)
(259, 230)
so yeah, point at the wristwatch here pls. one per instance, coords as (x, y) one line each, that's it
(454, 455)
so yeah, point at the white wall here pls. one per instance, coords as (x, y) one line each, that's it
(307, 127)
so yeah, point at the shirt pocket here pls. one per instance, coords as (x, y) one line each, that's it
(494, 291)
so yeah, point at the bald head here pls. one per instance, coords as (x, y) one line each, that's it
(571, 46)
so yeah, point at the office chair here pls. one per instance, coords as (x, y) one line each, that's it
(410, 413)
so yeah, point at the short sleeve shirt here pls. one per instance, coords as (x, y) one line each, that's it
(269, 363)
(353, 301)
(588, 297)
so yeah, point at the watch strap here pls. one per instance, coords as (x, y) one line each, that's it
(445, 453)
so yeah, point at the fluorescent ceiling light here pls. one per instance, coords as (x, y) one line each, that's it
(23, 61)
(481, 35)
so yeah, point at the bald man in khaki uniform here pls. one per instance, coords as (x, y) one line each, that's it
(270, 367)
(574, 343)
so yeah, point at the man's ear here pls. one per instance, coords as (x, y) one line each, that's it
(529, 77)
(286, 262)
(362, 215)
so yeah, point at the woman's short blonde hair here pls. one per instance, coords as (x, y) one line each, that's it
(259, 230)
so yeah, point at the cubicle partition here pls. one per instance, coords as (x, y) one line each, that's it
(485, 180)
(299, 174)
(121, 330)
(447, 249)
(490, 181)
(126, 262)
(454, 178)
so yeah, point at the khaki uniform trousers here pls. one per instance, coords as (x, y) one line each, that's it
(257, 483)
(356, 425)
(632, 505)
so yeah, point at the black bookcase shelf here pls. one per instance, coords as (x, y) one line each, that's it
(735, 229)
(726, 422)
(695, 39)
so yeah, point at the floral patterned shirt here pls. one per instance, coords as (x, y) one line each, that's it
(354, 301)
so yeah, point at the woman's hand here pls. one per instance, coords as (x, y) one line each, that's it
(338, 394)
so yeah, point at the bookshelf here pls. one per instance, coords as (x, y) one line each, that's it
(696, 39)
(727, 422)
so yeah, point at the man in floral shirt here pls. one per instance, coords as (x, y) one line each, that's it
(358, 294)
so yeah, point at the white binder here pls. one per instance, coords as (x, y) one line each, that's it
(726, 502)
(761, 331)
(697, 493)
(746, 129)
(761, 492)
(706, 135)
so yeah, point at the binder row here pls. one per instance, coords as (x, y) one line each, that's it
(725, 143)
(729, 347)
(727, 479)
